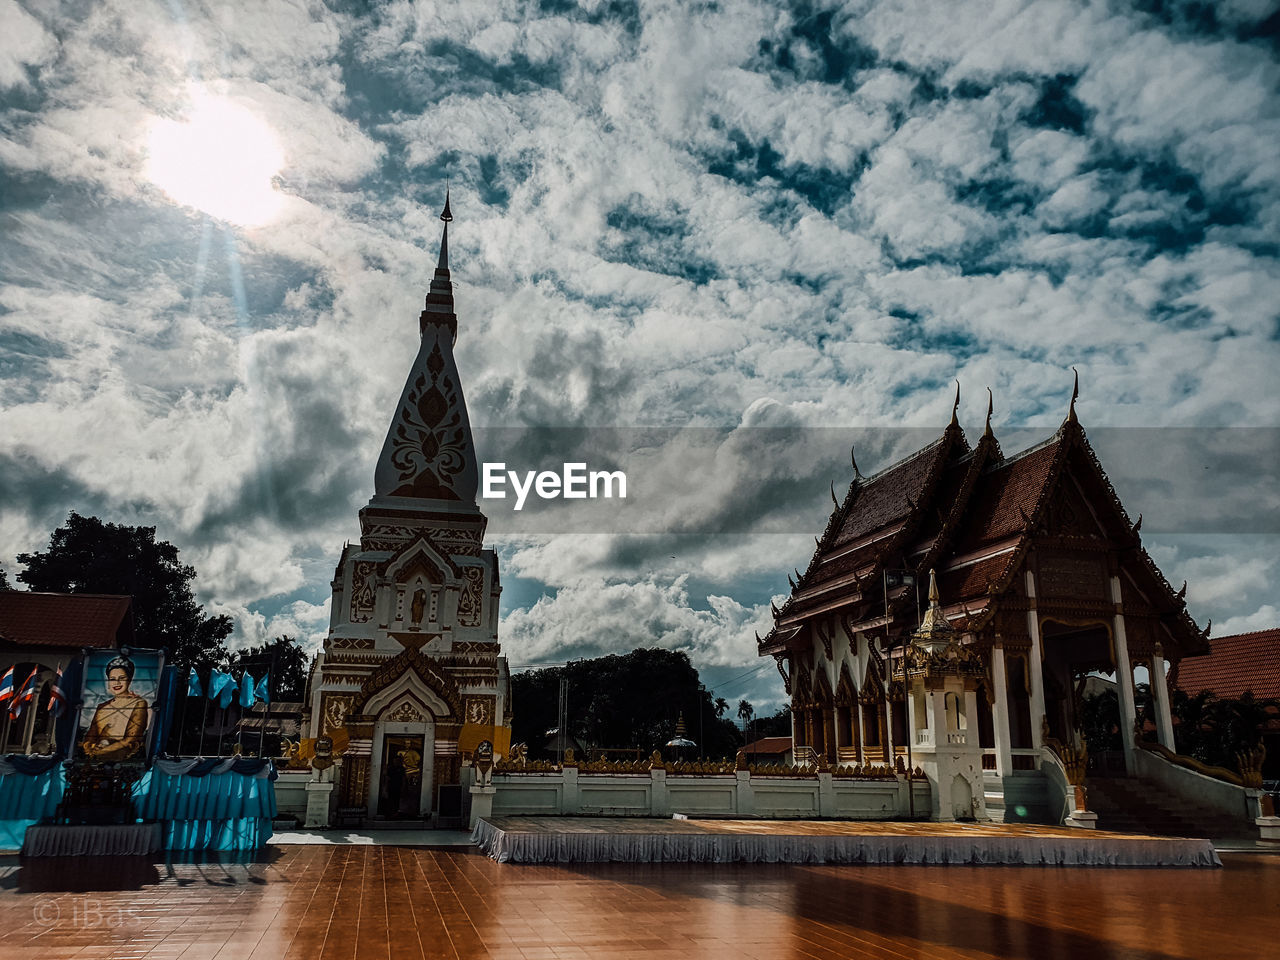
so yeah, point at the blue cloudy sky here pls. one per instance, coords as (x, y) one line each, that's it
(727, 216)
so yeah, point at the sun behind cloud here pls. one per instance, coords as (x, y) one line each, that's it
(220, 158)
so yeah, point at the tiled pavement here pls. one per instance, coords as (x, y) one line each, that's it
(366, 901)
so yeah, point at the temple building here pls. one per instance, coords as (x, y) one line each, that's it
(1041, 583)
(410, 678)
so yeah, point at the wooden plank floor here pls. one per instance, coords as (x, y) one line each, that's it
(357, 902)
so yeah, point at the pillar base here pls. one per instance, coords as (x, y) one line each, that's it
(1268, 828)
(318, 796)
(481, 803)
(1082, 819)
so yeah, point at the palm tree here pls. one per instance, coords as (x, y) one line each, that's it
(722, 707)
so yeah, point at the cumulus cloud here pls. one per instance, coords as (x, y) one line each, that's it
(735, 218)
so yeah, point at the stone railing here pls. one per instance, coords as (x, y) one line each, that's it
(779, 792)
(1204, 769)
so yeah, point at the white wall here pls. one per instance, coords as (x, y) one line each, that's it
(739, 794)
(291, 793)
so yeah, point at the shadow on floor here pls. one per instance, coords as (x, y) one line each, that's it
(99, 874)
(842, 908)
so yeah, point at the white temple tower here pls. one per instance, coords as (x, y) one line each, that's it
(411, 675)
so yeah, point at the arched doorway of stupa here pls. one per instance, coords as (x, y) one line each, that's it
(411, 721)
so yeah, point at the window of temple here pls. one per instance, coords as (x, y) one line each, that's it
(956, 719)
(870, 725)
(844, 723)
(899, 720)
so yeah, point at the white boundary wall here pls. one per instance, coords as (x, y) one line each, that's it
(739, 794)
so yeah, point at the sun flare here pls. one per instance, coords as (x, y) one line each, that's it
(220, 159)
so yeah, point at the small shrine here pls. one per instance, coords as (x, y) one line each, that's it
(941, 678)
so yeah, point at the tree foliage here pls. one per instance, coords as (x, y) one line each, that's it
(1211, 729)
(1214, 729)
(89, 556)
(284, 658)
(4, 580)
(775, 725)
(621, 701)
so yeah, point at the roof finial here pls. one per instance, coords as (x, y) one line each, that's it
(439, 306)
(1075, 394)
(955, 407)
(934, 596)
(447, 217)
(986, 432)
(857, 474)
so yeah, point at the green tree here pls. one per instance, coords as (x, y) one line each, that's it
(89, 556)
(4, 580)
(722, 706)
(621, 701)
(777, 725)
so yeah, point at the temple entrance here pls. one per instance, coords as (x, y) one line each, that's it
(400, 785)
(1072, 654)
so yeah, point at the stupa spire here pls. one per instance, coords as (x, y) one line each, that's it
(439, 305)
(429, 454)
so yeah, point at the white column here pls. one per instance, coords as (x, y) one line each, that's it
(970, 727)
(936, 706)
(1035, 666)
(1124, 681)
(888, 729)
(1160, 693)
(1000, 711)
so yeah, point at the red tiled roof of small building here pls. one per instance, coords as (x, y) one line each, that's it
(68, 620)
(1236, 664)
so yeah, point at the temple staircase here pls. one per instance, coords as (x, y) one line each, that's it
(1131, 805)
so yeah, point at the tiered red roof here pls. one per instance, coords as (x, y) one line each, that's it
(1237, 664)
(64, 620)
(969, 513)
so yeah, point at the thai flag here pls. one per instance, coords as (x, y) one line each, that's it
(57, 697)
(29, 690)
(6, 687)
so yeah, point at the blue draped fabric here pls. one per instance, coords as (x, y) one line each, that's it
(210, 805)
(227, 805)
(27, 798)
(32, 766)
